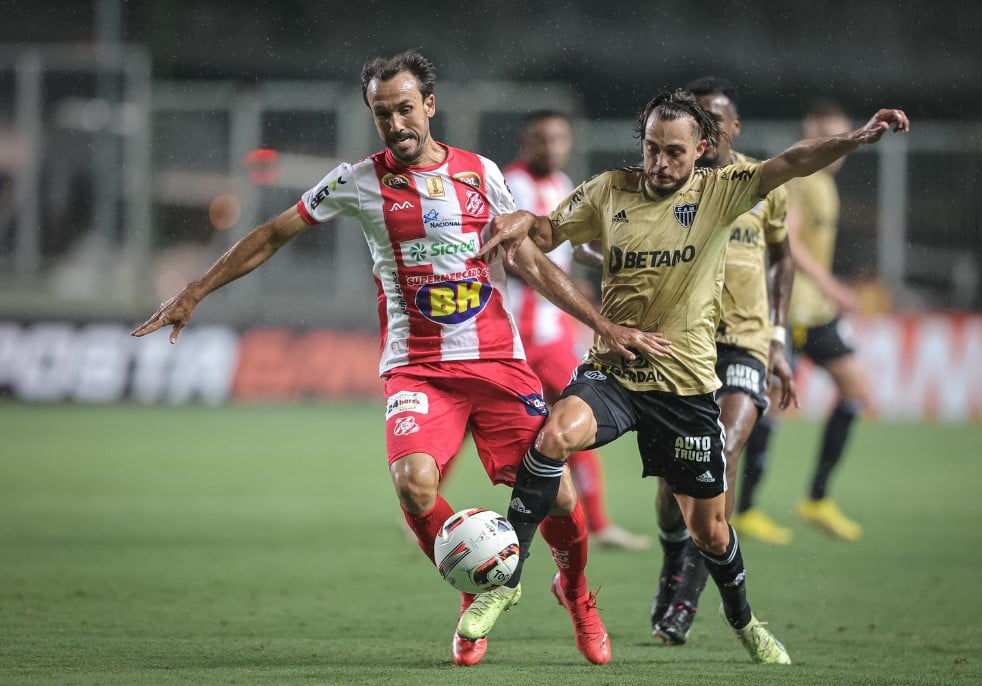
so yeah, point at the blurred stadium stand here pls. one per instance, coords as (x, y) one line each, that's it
(118, 188)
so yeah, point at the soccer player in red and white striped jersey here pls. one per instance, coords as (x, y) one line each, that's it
(538, 184)
(451, 357)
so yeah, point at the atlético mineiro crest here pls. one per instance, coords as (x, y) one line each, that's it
(685, 214)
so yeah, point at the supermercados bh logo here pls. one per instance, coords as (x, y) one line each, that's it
(452, 298)
(620, 259)
(425, 251)
(433, 220)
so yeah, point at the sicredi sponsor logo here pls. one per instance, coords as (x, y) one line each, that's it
(424, 251)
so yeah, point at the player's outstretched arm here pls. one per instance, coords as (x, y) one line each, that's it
(808, 156)
(248, 253)
(589, 255)
(543, 275)
(510, 230)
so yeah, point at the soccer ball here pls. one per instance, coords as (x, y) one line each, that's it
(477, 550)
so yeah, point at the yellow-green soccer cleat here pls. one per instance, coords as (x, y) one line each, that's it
(827, 516)
(753, 523)
(478, 620)
(763, 647)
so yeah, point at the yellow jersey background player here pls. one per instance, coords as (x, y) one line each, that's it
(818, 302)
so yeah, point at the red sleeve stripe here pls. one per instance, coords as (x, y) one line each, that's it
(304, 214)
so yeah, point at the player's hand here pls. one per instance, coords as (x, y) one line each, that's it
(780, 368)
(175, 311)
(881, 122)
(845, 298)
(628, 342)
(507, 231)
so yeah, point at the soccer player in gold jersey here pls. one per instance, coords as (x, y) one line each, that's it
(750, 348)
(817, 303)
(664, 228)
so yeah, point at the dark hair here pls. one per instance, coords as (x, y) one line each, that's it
(671, 105)
(535, 116)
(711, 85)
(384, 68)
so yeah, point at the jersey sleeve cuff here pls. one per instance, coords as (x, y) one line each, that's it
(304, 214)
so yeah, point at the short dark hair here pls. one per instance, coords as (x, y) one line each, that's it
(671, 105)
(711, 85)
(535, 116)
(384, 68)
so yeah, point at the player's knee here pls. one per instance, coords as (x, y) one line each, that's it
(416, 488)
(714, 538)
(558, 440)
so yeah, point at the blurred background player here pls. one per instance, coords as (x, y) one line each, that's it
(818, 302)
(538, 184)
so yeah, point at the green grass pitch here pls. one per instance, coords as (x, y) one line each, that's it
(156, 545)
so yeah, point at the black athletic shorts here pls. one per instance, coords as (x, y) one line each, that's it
(822, 344)
(741, 372)
(679, 437)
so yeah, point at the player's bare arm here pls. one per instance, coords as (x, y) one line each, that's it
(780, 280)
(808, 156)
(589, 255)
(844, 297)
(248, 253)
(532, 265)
(510, 230)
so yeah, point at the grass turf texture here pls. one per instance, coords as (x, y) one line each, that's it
(261, 545)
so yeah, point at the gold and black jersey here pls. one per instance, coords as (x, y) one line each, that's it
(745, 318)
(815, 202)
(663, 266)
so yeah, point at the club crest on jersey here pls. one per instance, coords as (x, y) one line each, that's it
(475, 204)
(395, 181)
(405, 426)
(685, 213)
(453, 302)
(472, 179)
(434, 187)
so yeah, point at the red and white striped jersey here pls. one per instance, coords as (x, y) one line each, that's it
(539, 321)
(424, 225)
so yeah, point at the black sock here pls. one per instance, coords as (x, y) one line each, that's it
(534, 494)
(833, 445)
(730, 577)
(693, 577)
(672, 544)
(755, 462)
